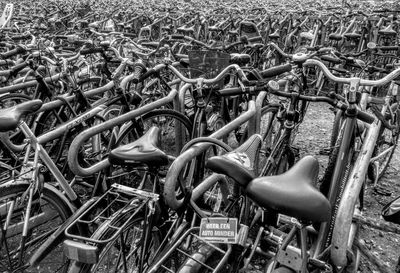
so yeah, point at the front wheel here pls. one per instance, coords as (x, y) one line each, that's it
(48, 212)
(385, 145)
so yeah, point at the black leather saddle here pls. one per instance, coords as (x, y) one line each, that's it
(293, 193)
(239, 164)
(335, 36)
(143, 151)
(9, 117)
(240, 59)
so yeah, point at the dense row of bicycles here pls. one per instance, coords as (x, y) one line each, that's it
(159, 136)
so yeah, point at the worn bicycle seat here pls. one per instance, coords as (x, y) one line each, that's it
(144, 150)
(335, 36)
(186, 30)
(233, 32)
(293, 193)
(9, 117)
(239, 164)
(214, 28)
(240, 59)
(275, 35)
(388, 31)
(352, 35)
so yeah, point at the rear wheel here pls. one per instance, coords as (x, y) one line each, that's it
(123, 254)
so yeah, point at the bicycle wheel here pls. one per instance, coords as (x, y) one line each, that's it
(279, 156)
(47, 214)
(123, 253)
(385, 145)
(270, 130)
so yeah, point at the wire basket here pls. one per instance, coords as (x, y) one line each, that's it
(207, 64)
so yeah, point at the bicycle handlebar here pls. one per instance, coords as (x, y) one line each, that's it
(388, 78)
(216, 79)
(12, 52)
(254, 90)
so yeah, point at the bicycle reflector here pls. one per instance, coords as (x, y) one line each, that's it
(81, 252)
(391, 212)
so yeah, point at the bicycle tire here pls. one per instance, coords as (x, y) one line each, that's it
(49, 202)
(103, 231)
(269, 131)
(272, 141)
(387, 140)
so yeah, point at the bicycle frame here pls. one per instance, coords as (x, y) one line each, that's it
(30, 172)
(344, 231)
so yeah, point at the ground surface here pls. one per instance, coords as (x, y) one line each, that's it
(313, 136)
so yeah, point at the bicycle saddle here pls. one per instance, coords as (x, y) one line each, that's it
(238, 164)
(233, 32)
(240, 59)
(389, 31)
(293, 192)
(275, 35)
(214, 28)
(335, 36)
(9, 117)
(352, 35)
(142, 151)
(185, 30)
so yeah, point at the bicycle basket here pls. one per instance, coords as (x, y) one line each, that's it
(391, 212)
(207, 64)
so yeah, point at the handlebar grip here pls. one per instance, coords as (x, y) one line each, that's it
(230, 91)
(177, 36)
(147, 74)
(63, 37)
(87, 51)
(138, 72)
(388, 48)
(275, 71)
(330, 59)
(129, 35)
(15, 69)
(184, 62)
(15, 51)
(21, 37)
(366, 117)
